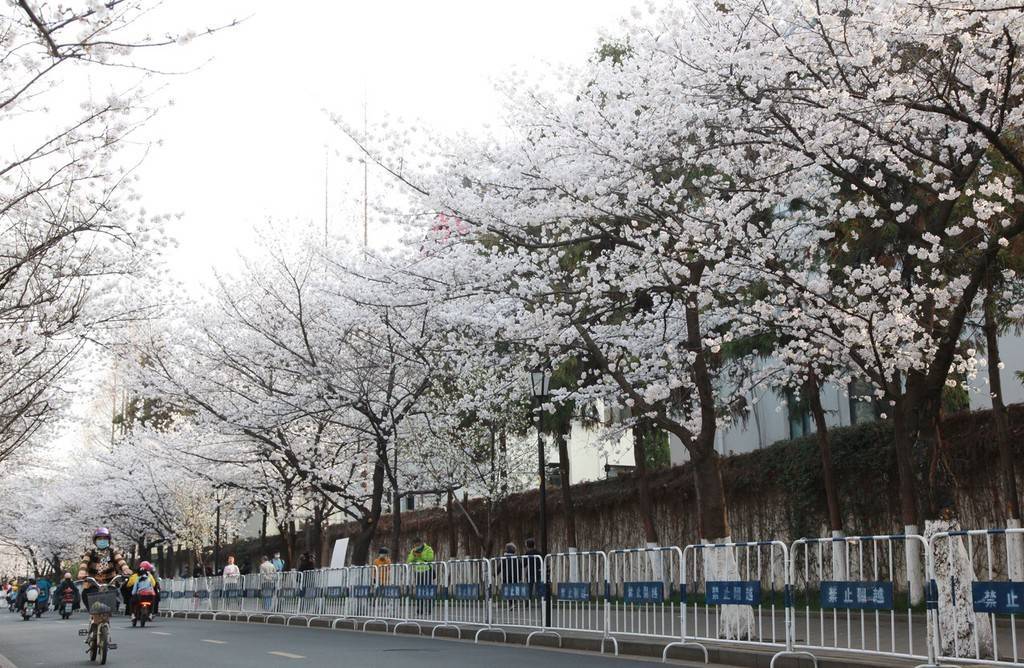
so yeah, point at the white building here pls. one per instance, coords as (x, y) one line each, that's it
(772, 418)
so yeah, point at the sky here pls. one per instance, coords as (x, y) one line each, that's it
(246, 136)
(244, 130)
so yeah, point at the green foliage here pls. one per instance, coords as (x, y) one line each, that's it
(862, 457)
(657, 450)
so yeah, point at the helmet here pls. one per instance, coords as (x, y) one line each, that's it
(145, 566)
(102, 532)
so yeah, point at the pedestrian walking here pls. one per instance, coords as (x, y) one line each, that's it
(278, 562)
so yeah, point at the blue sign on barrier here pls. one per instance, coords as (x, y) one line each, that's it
(335, 592)
(390, 591)
(232, 593)
(732, 592)
(310, 592)
(179, 594)
(202, 594)
(856, 595)
(574, 591)
(998, 598)
(288, 592)
(250, 593)
(467, 592)
(643, 592)
(361, 591)
(512, 591)
(425, 592)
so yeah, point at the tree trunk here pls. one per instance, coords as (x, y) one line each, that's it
(453, 533)
(903, 445)
(263, 530)
(368, 525)
(396, 524)
(999, 413)
(713, 516)
(644, 504)
(569, 512)
(813, 388)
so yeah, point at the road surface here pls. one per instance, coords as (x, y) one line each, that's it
(52, 642)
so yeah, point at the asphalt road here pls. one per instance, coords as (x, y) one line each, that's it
(51, 641)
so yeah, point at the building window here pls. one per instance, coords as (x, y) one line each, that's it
(864, 406)
(799, 415)
(410, 502)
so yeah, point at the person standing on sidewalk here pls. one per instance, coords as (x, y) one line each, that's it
(421, 558)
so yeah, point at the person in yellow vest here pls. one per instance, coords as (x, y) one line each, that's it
(421, 558)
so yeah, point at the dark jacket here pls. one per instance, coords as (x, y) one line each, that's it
(63, 586)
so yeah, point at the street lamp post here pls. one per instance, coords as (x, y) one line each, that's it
(539, 380)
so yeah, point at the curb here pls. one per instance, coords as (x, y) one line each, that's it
(729, 655)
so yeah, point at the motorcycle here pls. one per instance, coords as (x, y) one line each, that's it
(29, 609)
(103, 602)
(143, 608)
(67, 604)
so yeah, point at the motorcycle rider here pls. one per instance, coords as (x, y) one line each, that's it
(43, 602)
(19, 604)
(102, 563)
(148, 582)
(64, 586)
(142, 583)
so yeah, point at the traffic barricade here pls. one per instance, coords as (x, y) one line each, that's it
(737, 592)
(427, 596)
(311, 595)
(335, 594)
(389, 595)
(976, 619)
(647, 595)
(201, 600)
(470, 599)
(231, 589)
(176, 600)
(289, 594)
(853, 594)
(517, 595)
(576, 591)
(214, 594)
(360, 581)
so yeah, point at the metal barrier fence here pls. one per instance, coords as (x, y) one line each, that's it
(854, 594)
(516, 597)
(978, 623)
(470, 595)
(577, 596)
(647, 595)
(745, 591)
(849, 595)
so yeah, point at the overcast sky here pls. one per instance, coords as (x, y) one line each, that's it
(244, 141)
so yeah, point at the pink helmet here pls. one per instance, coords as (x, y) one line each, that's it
(102, 532)
(145, 566)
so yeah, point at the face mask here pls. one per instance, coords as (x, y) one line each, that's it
(103, 544)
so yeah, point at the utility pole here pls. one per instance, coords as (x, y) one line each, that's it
(366, 176)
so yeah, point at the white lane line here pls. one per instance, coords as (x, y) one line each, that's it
(287, 655)
(215, 642)
(160, 633)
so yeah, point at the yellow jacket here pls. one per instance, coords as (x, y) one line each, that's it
(135, 578)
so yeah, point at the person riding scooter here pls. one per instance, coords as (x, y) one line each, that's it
(66, 589)
(143, 591)
(102, 563)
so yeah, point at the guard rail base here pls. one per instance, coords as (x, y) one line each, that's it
(719, 655)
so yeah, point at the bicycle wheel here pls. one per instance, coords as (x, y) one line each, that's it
(103, 642)
(92, 645)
